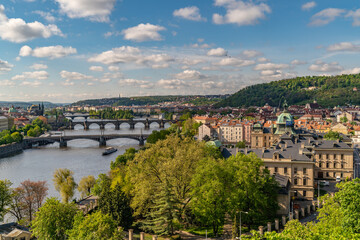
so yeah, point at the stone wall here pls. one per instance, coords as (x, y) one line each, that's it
(10, 149)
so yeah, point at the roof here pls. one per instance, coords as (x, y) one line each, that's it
(9, 227)
(16, 232)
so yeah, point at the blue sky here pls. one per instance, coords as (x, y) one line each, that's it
(67, 50)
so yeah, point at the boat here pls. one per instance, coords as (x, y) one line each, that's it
(109, 150)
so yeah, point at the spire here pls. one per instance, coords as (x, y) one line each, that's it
(285, 105)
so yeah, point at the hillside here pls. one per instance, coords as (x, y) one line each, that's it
(329, 91)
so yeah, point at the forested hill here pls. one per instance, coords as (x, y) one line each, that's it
(328, 91)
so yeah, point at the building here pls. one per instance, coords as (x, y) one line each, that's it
(14, 231)
(4, 123)
(207, 130)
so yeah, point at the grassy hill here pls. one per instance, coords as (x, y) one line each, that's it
(329, 91)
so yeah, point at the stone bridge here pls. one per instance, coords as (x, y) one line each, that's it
(62, 140)
(117, 123)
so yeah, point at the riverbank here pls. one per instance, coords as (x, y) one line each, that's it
(10, 149)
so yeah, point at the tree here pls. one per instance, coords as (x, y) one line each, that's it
(17, 137)
(172, 160)
(121, 160)
(5, 197)
(64, 183)
(85, 185)
(253, 189)
(115, 203)
(93, 227)
(344, 119)
(102, 183)
(210, 192)
(53, 220)
(240, 144)
(331, 135)
(27, 199)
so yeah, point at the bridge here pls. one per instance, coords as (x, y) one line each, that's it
(117, 123)
(62, 140)
(86, 116)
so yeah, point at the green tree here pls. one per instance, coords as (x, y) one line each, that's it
(115, 203)
(93, 227)
(240, 144)
(344, 119)
(5, 197)
(102, 183)
(53, 220)
(331, 135)
(210, 193)
(121, 160)
(17, 137)
(64, 183)
(85, 185)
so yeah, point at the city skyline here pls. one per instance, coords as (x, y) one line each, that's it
(66, 50)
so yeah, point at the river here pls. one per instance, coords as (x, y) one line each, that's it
(83, 157)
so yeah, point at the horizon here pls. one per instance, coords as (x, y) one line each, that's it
(62, 52)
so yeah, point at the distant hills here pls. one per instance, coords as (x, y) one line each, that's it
(28, 104)
(328, 91)
(151, 100)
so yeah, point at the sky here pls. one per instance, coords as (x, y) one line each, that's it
(68, 50)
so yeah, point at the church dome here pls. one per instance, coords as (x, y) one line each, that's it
(285, 118)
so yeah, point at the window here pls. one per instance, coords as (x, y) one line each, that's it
(327, 165)
(342, 165)
(304, 181)
(304, 170)
(285, 169)
(276, 169)
(295, 193)
(320, 164)
(295, 170)
(334, 174)
(334, 165)
(342, 156)
(327, 156)
(320, 156)
(304, 193)
(341, 175)
(327, 174)
(295, 181)
(334, 156)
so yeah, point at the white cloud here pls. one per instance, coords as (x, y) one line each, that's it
(6, 83)
(171, 83)
(5, 66)
(31, 84)
(326, 16)
(143, 32)
(46, 15)
(218, 52)
(190, 75)
(204, 45)
(251, 53)
(356, 17)
(351, 71)
(74, 75)
(51, 52)
(95, 10)
(297, 62)
(114, 68)
(344, 46)
(262, 59)
(17, 30)
(240, 12)
(308, 5)
(320, 66)
(189, 13)
(134, 82)
(96, 68)
(235, 62)
(38, 66)
(38, 75)
(270, 66)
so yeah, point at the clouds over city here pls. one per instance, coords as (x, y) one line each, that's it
(143, 32)
(51, 52)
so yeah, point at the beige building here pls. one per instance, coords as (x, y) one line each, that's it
(339, 128)
(14, 231)
(4, 123)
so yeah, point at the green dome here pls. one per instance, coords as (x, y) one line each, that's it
(285, 118)
(12, 110)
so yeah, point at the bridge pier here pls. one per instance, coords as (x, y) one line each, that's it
(132, 125)
(162, 124)
(86, 126)
(63, 143)
(117, 126)
(102, 142)
(102, 126)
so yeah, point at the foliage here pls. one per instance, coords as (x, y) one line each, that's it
(110, 113)
(172, 161)
(240, 144)
(64, 183)
(102, 182)
(53, 220)
(330, 91)
(85, 185)
(121, 160)
(331, 135)
(157, 135)
(344, 119)
(115, 203)
(190, 128)
(27, 199)
(209, 193)
(93, 227)
(5, 197)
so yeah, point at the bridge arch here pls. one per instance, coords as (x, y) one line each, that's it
(109, 125)
(93, 125)
(78, 126)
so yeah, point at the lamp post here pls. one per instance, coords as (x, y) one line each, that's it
(240, 221)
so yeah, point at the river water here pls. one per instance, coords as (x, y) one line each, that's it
(83, 157)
